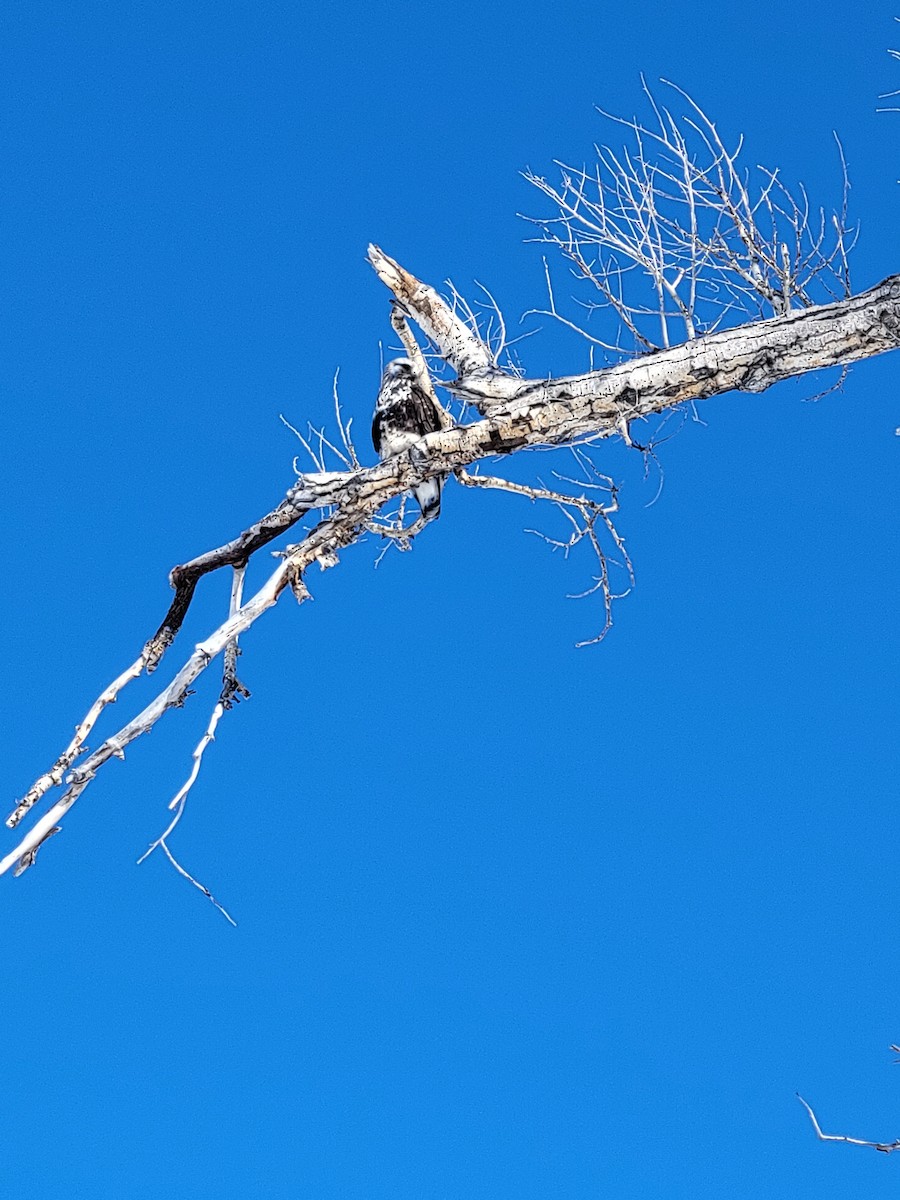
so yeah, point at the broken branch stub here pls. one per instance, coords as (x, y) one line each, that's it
(517, 413)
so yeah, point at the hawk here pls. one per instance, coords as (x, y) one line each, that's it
(403, 414)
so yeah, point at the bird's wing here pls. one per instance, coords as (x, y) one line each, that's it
(427, 416)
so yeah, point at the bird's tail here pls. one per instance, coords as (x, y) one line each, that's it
(428, 497)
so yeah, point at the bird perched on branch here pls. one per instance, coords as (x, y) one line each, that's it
(404, 412)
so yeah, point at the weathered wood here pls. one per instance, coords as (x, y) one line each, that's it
(516, 413)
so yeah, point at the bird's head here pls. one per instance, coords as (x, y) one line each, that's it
(397, 368)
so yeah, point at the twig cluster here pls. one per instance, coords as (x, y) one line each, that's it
(677, 241)
(582, 514)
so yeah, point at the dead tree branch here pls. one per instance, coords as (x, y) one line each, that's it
(883, 1147)
(590, 513)
(232, 690)
(516, 413)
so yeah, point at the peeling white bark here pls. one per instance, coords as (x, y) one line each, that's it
(459, 345)
(517, 413)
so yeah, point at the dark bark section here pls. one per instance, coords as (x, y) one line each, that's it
(236, 553)
(529, 412)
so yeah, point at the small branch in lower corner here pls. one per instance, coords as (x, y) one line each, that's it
(882, 1147)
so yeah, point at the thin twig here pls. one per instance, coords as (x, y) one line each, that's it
(232, 688)
(883, 1147)
(590, 511)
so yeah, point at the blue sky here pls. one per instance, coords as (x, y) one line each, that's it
(514, 919)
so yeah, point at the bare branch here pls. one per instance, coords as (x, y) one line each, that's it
(54, 777)
(197, 884)
(344, 428)
(172, 696)
(883, 1147)
(670, 234)
(521, 412)
(461, 348)
(232, 689)
(590, 511)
